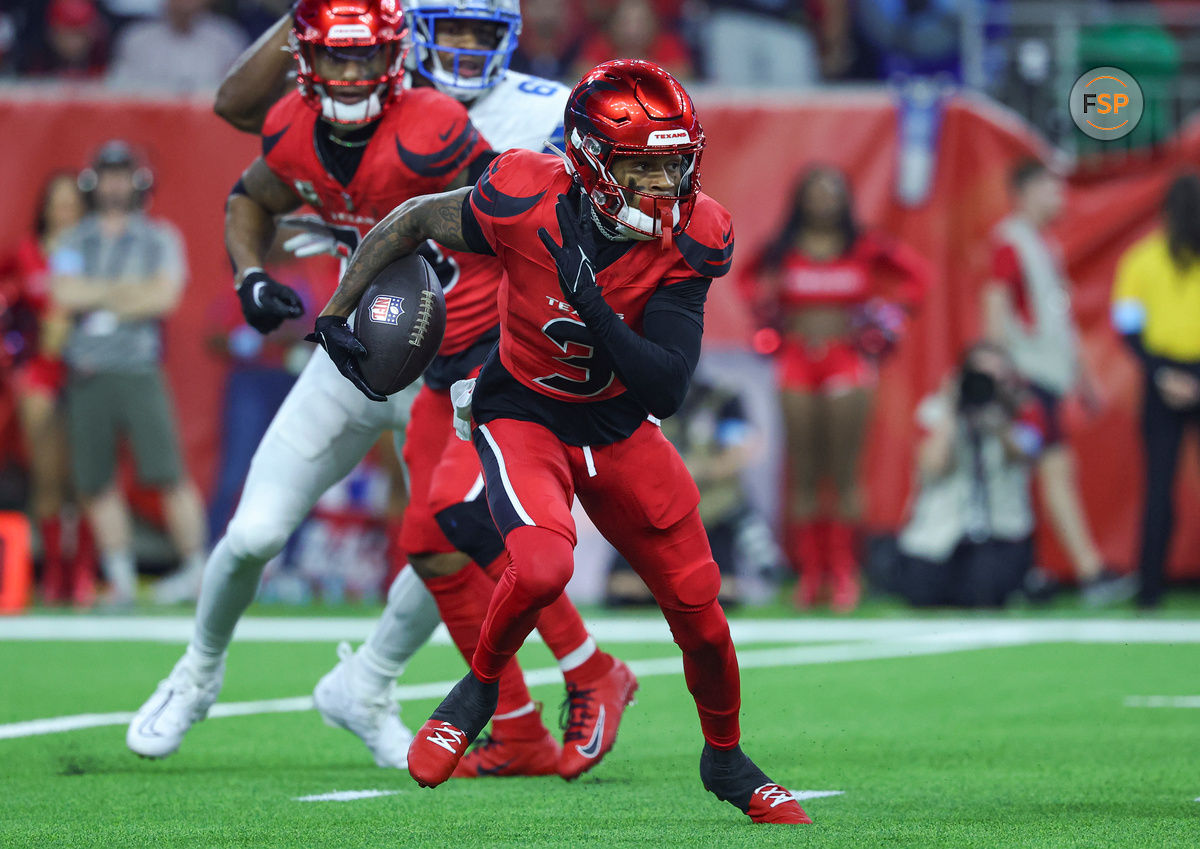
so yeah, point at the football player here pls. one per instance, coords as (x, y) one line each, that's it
(351, 143)
(356, 694)
(614, 248)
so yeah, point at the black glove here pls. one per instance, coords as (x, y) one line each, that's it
(265, 303)
(574, 257)
(334, 335)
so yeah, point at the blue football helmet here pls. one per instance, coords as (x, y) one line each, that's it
(470, 72)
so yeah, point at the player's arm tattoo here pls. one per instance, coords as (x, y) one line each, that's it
(437, 217)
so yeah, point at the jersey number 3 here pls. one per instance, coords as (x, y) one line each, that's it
(577, 344)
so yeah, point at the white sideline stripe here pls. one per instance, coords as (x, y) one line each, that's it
(606, 630)
(801, 795)
(345, 795)
(1163, 702)
(751, 659)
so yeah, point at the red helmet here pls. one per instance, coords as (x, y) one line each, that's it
(365, 32)
(627, 108)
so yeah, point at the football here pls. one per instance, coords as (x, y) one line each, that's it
(400, 321)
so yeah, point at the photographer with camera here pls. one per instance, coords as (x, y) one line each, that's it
(968, 541)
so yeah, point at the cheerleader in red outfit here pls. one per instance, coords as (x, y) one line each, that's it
(831, 300)
(68, 554)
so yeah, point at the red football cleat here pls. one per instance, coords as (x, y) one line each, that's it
(435, 752)
(593, 713)
(732, 777)
(505, 754)
(774, 804)
(454, 725)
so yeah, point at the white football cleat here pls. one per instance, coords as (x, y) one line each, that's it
(181, 700)
(375, 721)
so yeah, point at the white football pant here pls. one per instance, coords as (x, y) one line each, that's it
(323, 429)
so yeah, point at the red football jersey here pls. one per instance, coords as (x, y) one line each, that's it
(422, 141)
(543, 343)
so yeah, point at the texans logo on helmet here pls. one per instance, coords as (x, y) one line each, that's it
(386, 309)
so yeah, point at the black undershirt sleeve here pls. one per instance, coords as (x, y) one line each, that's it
(472, 232)
(656, 366)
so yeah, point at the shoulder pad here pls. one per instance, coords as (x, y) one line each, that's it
(707, 244)
(442, 142)
(517, 180)
(279, 117)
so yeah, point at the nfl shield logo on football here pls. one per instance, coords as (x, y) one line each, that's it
(386, 309)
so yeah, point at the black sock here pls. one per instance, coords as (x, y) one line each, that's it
(469, 705)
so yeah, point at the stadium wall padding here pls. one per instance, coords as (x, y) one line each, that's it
(756, 149)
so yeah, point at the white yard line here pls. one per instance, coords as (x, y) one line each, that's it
(614, 630)
(346, 795)
(1162, 701)
(748, 659)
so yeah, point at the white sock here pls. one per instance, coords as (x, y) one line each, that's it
(120, 570)
(577, 657)
(202, 663)
(408, 621)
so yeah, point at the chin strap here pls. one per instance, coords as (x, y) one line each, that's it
(666, 223)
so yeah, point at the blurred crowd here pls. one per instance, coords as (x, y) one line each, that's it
(186, 45)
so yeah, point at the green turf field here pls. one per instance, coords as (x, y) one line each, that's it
(976, 736)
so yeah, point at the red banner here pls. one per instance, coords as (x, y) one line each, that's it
(754, 154)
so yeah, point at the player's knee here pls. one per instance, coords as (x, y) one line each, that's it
(701, 631)
(470, 529)
(694, 588)
(542, 561)
(256, 535)
(438, 564)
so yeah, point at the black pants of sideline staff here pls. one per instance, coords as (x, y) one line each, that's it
(1162, 431)
(977, 574)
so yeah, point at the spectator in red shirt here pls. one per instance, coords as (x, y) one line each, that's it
(634, 31)
(76, 43)
(1027, 310)
(831, 301)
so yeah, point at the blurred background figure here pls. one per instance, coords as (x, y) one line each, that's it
(187, 49)
(969, 540)
(632, 29)
(74, 45)
(912, 37)
(1156, 309)
(717, 442)
(766, 43)
(831, 300)
(1027, 311)
(34, 331)
(549, 39)
(117, 274)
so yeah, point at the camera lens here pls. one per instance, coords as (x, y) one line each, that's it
(977, 389)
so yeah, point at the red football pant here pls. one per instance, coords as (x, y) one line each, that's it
(641, 497)
(443, 470)
(430, 447)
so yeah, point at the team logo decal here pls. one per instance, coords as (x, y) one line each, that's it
(386, 309)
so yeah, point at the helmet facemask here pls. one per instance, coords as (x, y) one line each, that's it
(647, 215)
(456, 76)
(381, 63)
